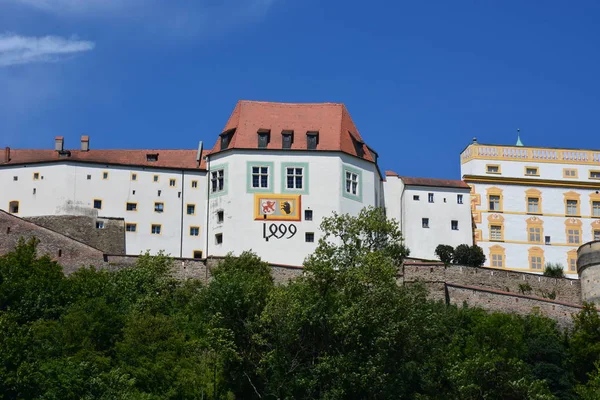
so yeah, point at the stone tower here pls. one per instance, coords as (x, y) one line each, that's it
(588, 268)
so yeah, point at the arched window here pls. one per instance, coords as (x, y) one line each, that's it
(536, 259)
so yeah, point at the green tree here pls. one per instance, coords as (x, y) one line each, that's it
(445, 253)
(471, 256)
(555, 270)
(584, 343)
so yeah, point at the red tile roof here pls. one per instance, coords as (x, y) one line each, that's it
(434, 182)
(177, 159)
(331, 120)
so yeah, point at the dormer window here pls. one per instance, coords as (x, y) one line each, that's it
(312, 140)
(287, 138)
(151, 157)
(263, 138)
(358, 145)
(226, 138)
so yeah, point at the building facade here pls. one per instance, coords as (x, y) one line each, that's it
(532, 205)
(430, 212)
(274, 172)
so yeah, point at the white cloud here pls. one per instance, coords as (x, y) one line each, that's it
(178, 17)
(16, 49)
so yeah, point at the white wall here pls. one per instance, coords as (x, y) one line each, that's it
(444, 209)
(241, 232)
(64, 189)
(393, 188)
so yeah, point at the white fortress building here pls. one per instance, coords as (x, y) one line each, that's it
(274, 172)
(532, 205)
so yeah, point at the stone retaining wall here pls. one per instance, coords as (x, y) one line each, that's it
(562, 289)
(492, 300)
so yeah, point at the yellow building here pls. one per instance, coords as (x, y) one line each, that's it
(532, 205)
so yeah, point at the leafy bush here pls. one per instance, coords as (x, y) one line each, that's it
(471, 256)
(554, 270)
(445, 253)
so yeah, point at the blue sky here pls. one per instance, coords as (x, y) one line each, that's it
(420, 78)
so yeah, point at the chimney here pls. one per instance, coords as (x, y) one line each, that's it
(59, 144)
(199, 154)
(7, 154)
(85, 143)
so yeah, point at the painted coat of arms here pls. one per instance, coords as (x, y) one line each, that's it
(277, 207)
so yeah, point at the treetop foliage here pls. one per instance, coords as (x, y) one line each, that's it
(343, 330)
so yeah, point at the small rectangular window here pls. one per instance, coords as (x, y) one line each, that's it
(151, 157)
(98, 204)
(159, 192)
(573, 236)
(532, 171)
(13, 207)
(533, 205)
(309, 237)
(172, 182)
(220, 216)
(596, 234)
(191, 209)
(15, 178)
(194, 231)
(131, 207)
(219, 238)
(217, 181)
(569, 173)
(594, 174)
(492, 169)
(547, 240)
(197, 253)
(495, 232)
(194, 184)
(286, 139)
(494, 203)
(595, 208)
(260, 176)
(351, 183)
(159, 207)
(535, 234)
(536, 262)
(425, 222)
(105, 175)
(89, 177)
(308, 215)
(155, 178)
(430, 197)
(312, 140)
(36, 176)
(295, 177)
(134, 177)
(454, 225)
(156, 229)
(572, 208)
(129, 227)
(459, 198)
(99, 224)
(416, 197)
